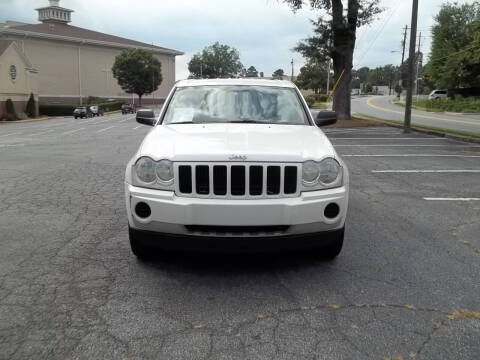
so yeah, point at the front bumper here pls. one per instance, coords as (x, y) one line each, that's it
(171, 214)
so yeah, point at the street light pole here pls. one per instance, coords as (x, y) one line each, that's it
(411, 67)
(328, 76)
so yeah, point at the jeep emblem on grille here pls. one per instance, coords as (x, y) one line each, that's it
(238, 157)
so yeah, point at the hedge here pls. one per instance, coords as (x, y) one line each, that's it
(67, 110)
(465, 105)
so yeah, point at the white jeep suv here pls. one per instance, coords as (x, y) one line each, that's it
(238, 165)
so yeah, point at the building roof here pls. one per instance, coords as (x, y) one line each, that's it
(66, 32)
(242, 81)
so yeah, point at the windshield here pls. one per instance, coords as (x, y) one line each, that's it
(235, 104)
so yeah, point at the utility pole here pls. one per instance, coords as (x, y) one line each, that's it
(328, 75)
(292, 70)
(411, 67)
(417, 58)
(404, 43)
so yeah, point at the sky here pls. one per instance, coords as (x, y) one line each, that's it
(264, 31)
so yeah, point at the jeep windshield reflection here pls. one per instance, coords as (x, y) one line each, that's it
(235, 104)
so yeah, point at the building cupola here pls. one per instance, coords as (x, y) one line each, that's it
(54, 13)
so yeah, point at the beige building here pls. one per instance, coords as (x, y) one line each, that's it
(74, 63)
(18, 78)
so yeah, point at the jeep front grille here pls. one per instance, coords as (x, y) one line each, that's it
(237, 180)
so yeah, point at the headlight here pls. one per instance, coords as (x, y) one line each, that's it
(165, 170)
(329, 171)
(325, 174)
(145, 170)
(310, 172)
(153, 174)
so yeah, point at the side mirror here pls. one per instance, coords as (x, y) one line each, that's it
(146, 116)
(324, 118)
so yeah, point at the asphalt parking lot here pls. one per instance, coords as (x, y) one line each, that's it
(406, 285)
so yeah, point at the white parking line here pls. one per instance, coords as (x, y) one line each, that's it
(451, 199)
(135, 128)
(41, 133)
(127, 119)
(410, 155)
(405, 145)
(11, 145)
(99, 122)
(99, 131)
(72, 131)
(13, 133)
(386, 138)
(425, 171)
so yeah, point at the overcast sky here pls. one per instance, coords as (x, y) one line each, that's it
(264, 31)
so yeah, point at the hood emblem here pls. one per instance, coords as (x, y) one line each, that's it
(238, 158)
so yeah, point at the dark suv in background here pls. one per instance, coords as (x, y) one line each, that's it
(128, 109)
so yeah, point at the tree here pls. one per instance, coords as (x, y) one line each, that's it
(278, 74)
(313, 76)
(252, 72)
(137, 72)
(30, 108)
(216, 61)
(334, 38)
(454, 56)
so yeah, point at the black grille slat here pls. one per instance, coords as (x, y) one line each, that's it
(290, 180)
(185, 179)
(256, 180)
(220, 180)
(273, 180)
(247, 180)
(237, 229)
(237, 180)
(202, 179)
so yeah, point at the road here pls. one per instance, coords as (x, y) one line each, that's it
(405, 286)
(384, 108)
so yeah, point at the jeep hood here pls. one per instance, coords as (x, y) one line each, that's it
(219, 142)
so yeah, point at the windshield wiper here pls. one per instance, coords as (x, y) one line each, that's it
(248, 122)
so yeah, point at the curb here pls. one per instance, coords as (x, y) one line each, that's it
(26, 120)
(425, 131)
(45, 118)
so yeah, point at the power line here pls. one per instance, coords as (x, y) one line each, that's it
(381, 30)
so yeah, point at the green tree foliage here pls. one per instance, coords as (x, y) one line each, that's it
(334, 37)
(137, 72)
(30, 109)
(216, 61)
(278, 74)
(313, 76)
(252, 72)
(455, 54)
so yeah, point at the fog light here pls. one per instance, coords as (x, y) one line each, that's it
(331, 211)
(143, 210)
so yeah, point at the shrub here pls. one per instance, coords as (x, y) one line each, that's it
(10, 110)
(30, 109)
(310, 99)
(321, 98)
